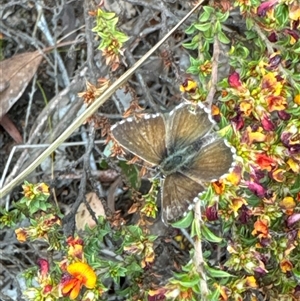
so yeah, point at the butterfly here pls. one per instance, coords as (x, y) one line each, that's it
(183, 145)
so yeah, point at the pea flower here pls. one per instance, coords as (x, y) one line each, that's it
(80, 274)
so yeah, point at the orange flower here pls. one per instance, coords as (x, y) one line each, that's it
(261, 227)
(246, 107)
(224, 291)
(218, 187)
(294, 12)
(270, 83)
(215, 111)
(265, 162)
(80, 274)
(75, 247)
(21, 234)
(276, 103)
(30, 191)
(286, 265)
(278, 175)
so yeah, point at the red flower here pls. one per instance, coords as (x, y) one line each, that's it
(274, 61)
(267, 124)
(265, 6)
(256, 188)
(238, 121)
(283, 115)
(44, 266)
(234, 81)
(292, 219)
(211, 213)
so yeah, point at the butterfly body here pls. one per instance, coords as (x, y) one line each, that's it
(184, 147)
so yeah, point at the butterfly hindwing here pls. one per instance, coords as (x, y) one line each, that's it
(178, 192)
(212, 161)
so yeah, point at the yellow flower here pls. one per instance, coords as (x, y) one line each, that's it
(288, 203)
(21, 235)
(297, 99)
(286, 265)
(188, 86)
(293, 165)
(80, 274)
(41, 188)
(251, 281)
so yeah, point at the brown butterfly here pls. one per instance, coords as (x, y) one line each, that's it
(183, 146)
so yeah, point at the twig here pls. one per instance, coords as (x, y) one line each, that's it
(214, 73)
(31, 94)
(89, 40)
(198, 258)
(142, 83)
(42, 25)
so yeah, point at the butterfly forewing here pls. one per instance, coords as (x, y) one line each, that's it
(144, 138)
(212, 161)
(178, 192)
(185, 125)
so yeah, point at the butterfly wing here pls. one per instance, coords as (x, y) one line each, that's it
(185, 125)
(145, 137)
(212, 161)
(178, 192)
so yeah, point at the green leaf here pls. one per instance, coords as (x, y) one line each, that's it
(217, 273)
(209, 235)
(214, 296)
(294, 111)
(103, 164)
(191, 45)
(105, 15)
(185, 222)
(205, 16)
(217, 27)
(195, 229)
(249, 23)
(187, 280)
(203, 26)
(222, 17)
(222, 38)
(208, 9)
(193, 70)
(43, 206)
(132, 174)
(190, 30)
(296, 186)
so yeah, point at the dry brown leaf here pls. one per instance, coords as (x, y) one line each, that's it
(83, 217)
(11, 129)
(17, 73)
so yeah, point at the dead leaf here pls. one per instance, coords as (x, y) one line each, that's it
(17, 73)
(11, 129)
(83, 216)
